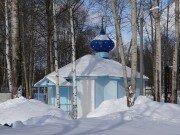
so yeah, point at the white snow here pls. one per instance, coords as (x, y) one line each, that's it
(110, 106)
(52, 78)
(146, 117)
(21, 109)
(91, 65)
(154, 8)
(102, 37)
(18, 124)
(144, 107)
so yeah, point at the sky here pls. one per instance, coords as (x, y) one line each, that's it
(96, 12)
(95, 18)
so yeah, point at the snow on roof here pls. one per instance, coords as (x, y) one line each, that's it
(62, 81)
(52, 78)
(91, 65)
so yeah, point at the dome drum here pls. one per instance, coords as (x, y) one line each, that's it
(102, 44)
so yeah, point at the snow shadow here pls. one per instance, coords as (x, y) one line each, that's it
(98, 125)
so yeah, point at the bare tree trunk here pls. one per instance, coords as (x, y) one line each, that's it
(153, 47)
(24, 57)
(158, 51)
(179, 26)
(15, 44)
(26, 80)
(120, 43)
(32, 53)
(56, 56)
(4, 72)
(142, 90)
(50, 65)
(9, 75)
(175, 54)
(165, 49)
(34, 69)
(30, 65)
(25, 69)
(74, 108)
(132, 91)
(25, 73)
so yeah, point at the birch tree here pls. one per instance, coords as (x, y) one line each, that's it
(132, 90)
(56, 55)
(175, 54)
(117, 21)
(15, 44)
(74, 107)
(8, 49)
(157, 81)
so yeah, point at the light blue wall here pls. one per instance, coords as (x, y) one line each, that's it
(40, 96)
(51, 95)
(105, 89)
(137, 87)
(79, 98)
(111, 88)
(99, 92)
(121, 91)
(85, 88)
(65, 100)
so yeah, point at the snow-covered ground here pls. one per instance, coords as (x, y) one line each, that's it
(112, 117)
(21, 109)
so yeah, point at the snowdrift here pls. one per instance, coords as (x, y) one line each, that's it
(146, 117)
(29, 112)
(143, 108)
(110, 106)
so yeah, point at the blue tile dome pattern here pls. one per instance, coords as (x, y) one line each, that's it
(102, 43)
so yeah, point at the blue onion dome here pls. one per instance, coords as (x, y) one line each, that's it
(102, 43)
